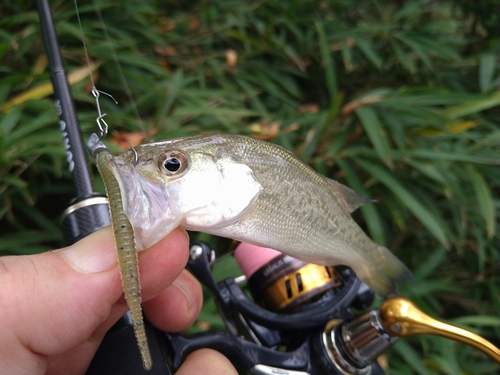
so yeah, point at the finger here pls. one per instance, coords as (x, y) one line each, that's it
(206, 362)
(53, 302)
(161, 264)
(178, 306)
(37, 289)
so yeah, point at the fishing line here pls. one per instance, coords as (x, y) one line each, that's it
(123, 80)
(84, 44)
(103, 126)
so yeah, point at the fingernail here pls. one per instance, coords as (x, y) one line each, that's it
(184, 288)
(185, 234)
(89, 256)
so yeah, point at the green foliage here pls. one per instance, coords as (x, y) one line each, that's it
(397, 99)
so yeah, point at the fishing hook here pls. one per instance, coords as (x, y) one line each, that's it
(136, 155)
(103, 126)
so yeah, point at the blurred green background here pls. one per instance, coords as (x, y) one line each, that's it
(397, 99)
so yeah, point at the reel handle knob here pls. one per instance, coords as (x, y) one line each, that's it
(401, 317)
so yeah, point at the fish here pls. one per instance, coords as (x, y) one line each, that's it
(253, 191)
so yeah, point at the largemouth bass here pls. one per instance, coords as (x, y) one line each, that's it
(251, 191)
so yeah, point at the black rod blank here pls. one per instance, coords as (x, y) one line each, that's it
(68, 121)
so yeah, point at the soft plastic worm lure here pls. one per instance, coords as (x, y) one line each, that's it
(125, 245)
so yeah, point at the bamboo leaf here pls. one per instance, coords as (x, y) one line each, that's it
(222, 112)
(403, 57)
(472, 107)
(431, 263)
(170, 95)
(416, 47)
(431, 222)
(14, 180)
(21, 132)
(9, 121)
(365, 45)
(477, 320)
(327, 60)
(487, 141)
(312, 139)
(447, 360)
(411, 357)
(347, 55)
(372, 217)
(484, 200)
(487, 64)
(46, 89)
(254, 99)
(375, 132)
(453, 156)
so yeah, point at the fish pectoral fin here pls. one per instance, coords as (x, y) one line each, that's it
(349, 197)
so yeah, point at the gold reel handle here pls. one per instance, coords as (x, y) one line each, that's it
(400, 317)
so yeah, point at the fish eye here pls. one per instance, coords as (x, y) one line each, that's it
(172, 162)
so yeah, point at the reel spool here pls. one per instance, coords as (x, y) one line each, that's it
(280, 283)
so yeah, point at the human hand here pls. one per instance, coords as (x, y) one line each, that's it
(56, 307)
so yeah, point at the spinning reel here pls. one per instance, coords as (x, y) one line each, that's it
(303, 319)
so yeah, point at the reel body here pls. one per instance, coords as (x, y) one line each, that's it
(304, 320)
(289, 338)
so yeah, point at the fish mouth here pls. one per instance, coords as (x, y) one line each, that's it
(145, 204)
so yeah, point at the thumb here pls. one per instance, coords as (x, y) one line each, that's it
(52, 302)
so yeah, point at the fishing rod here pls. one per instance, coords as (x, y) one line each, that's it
(88, 211)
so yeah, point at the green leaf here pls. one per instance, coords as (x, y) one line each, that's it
(436, 257)
(481, 248)
(347, 56)
(374, 130)
(365, 45)
(403, 57)
(373, 219)
(14, 181)
(327, 60)
(170, 94)
(487, 63)
(20, 133)
(472, 107)
(486, 142)
(419, 49)
(411, 357)
(484, 199)
(4, 47)
(311, 141)
(477, 320)
(431, 222)
(216, 111)
(9, 121)
(447, 360)
(425, 288)
(452, 156)
(226, 266)
(254, 98)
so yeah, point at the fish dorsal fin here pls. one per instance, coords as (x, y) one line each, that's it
(349, 197)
